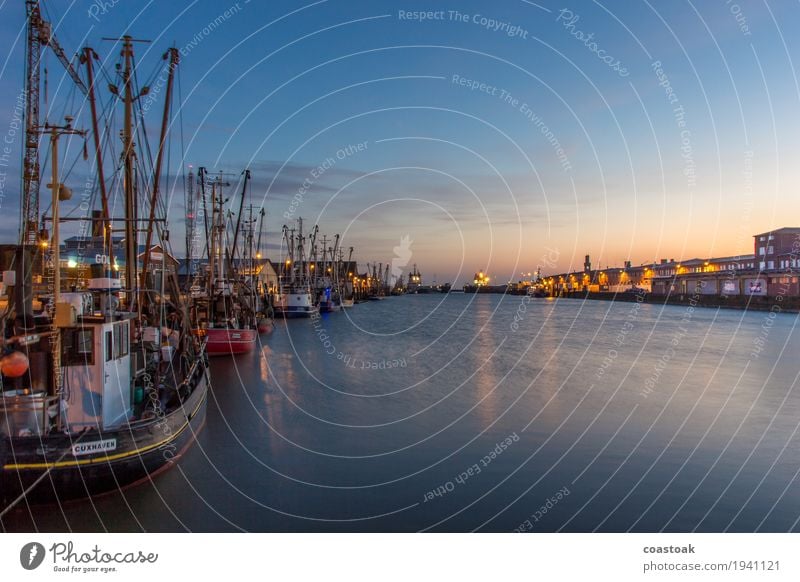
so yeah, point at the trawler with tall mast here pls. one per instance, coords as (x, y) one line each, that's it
(104, 385)
(225, 311)
(325, 275)
(294, 297)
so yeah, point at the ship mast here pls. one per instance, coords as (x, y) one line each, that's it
(217, 234)
(172, 55)
(129, 164)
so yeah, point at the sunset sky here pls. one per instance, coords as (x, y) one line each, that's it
(499, 137)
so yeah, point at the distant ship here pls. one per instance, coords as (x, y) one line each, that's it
(415, 285)
(480, 284)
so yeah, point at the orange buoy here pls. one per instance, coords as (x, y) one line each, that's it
(14, 365)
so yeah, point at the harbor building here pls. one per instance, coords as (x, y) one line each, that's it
(771, 271)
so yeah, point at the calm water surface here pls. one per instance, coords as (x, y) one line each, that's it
(465, 412)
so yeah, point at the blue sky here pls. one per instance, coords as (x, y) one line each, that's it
(555, 156)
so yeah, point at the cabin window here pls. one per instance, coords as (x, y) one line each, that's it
(109, 346)
(77, 347)
(120, 340)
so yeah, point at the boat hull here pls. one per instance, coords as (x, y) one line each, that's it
(297, 304)
(295, 312)
(140, 451)
(226, 342)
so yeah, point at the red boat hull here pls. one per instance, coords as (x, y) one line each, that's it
(226, 342)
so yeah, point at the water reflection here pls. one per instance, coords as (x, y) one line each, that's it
(651, 420)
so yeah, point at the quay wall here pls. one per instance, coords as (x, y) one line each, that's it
(755, 303)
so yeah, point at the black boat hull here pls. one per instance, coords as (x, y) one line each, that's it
(140, 451)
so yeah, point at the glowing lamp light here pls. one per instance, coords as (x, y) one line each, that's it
(14, 365)
(72, 263)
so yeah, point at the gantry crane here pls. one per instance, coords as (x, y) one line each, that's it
(39, 35)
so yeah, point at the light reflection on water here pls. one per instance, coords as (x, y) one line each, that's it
(352, 434)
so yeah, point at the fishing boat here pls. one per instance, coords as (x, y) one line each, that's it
(377, 282)
(325, 274)
(294, 297)
(225, 310)
(346, 271)
(102, 386)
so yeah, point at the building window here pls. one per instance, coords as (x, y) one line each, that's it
(770, 264)
(770, 250)
(761, 251)
(761, 239)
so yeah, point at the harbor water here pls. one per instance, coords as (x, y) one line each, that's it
(481, 412)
